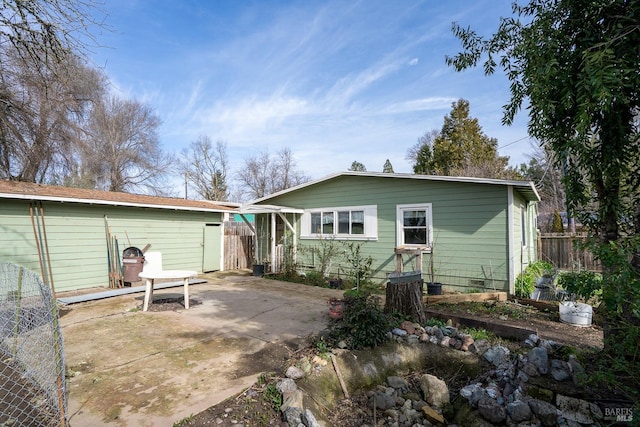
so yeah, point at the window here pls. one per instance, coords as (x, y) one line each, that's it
(357, 222)
(414, 225)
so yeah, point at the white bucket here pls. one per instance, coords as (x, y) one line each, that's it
(576, 313)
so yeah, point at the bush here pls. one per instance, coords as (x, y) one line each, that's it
(584, 284)
(526, 281)
(363, 325)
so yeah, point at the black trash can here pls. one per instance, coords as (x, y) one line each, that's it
(132, 263)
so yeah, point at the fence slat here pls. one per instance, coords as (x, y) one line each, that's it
(564, 252)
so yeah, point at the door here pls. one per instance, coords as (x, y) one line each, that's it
(212, 250)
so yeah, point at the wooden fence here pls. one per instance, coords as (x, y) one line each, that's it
(238, 246)
(564, 251)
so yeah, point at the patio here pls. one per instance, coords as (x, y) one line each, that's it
(126, 367)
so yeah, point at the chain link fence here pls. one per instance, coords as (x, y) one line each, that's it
(32, 382)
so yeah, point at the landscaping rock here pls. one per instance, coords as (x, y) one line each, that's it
(539, 357)
(560, 370)
(294, 373)
(577, 410)
(408, 326)
(491, 411)
(519, 411)
(467, 342)
(497, 355)
(286, 386)
(545, 411)
(473, 393)
(309, 420)
(432, 415)
(397, 382)
(435, 391)
(479, 347)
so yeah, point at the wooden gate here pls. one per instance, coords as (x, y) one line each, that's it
(238, 246)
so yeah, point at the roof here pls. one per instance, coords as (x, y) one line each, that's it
(526, 188)
(31, 191)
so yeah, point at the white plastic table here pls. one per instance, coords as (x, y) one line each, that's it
(151, 276)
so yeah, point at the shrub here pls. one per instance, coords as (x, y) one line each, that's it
(584, 284)
(363, 325)
(526, 281)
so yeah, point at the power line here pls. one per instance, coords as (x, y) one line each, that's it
(511, 143)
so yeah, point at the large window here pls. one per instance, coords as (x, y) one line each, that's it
(414, 225)
(355, 222)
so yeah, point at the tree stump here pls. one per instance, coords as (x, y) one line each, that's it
(406, 299)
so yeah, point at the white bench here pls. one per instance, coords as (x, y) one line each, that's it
(152, 271)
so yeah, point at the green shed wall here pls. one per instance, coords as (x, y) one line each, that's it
(77, 242)
(470, 225)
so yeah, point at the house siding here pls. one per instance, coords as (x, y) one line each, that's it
(470, 224)
(76, 238)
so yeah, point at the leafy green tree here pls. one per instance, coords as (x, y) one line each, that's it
(462, 148)
(575, 65)
(421, 154)
(387, 167)
(357, 167)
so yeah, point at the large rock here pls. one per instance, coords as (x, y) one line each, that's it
(578, 410)
(497, 355)
(539, 357)
(435, 391)
(491, 411)
(519, 411)
(545, 411)
(397, 382)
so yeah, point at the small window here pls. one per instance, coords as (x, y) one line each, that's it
(414, 225)
(343, 223)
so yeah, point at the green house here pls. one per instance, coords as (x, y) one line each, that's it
(469, 234)
(73, 235)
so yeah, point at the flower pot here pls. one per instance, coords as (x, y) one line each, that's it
(434, 288)
(335, 283)
(258, 270)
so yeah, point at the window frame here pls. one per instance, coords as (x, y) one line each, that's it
(400, 228)
(370, 223)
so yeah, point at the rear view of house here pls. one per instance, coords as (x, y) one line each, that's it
(467, 233)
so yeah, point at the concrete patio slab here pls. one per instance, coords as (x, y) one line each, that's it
(132, 368)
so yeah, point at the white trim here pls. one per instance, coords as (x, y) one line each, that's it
(428, 207)
(370, 223)
(109, 203)
(510, 243)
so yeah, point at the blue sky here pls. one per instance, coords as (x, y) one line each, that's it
(335, 81)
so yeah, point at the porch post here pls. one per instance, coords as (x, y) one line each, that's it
(272, 240)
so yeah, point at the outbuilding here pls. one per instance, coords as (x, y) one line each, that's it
(76, 236)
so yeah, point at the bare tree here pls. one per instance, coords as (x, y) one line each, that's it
(45, 107)
(356, 166)
(122, 151)
(205, 166)
(265, 174)
(46, 32)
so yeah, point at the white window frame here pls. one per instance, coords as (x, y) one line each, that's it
(370, 223)
(400, 209)
(523, 223)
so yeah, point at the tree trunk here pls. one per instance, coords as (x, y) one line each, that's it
(406, 299)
